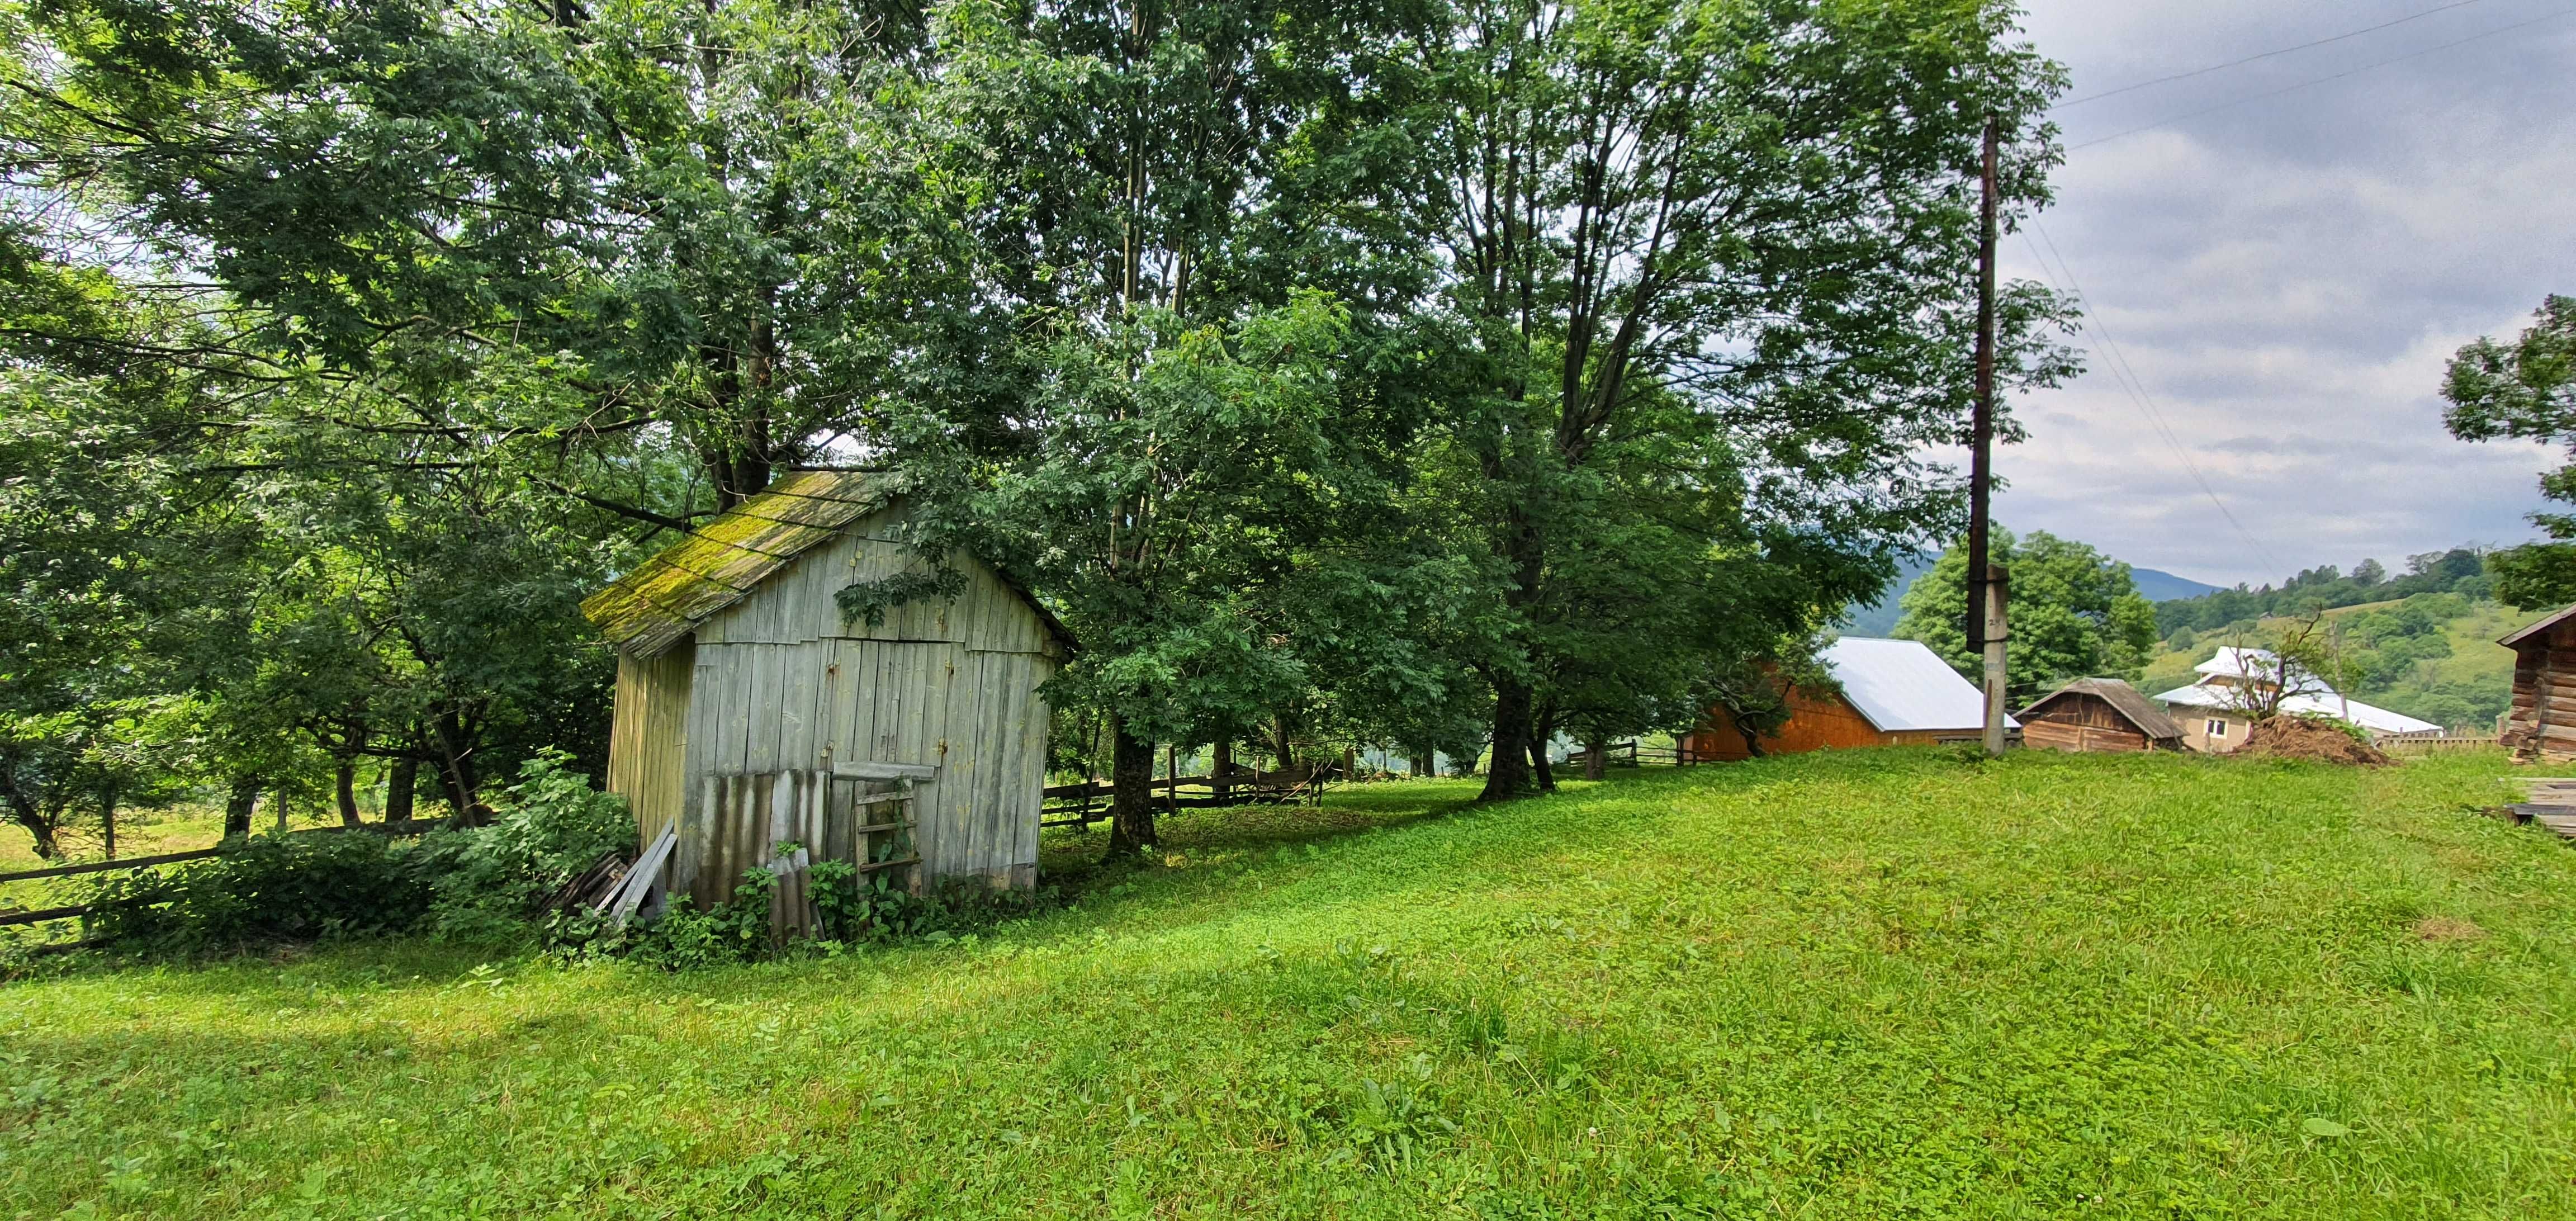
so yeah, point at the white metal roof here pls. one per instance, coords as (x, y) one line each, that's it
(2258, 664)
(2312, 704)
(1901, 685)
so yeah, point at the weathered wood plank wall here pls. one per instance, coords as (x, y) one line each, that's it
(780, 682)
(648, 742)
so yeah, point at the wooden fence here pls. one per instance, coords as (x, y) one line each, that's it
(42, 914)
(2438, 745)
(1086, 802)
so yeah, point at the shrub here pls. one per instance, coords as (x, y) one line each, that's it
(269, 889)
(491, 880)
(849, 911)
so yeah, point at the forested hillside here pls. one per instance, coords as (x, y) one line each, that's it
(2421, 642)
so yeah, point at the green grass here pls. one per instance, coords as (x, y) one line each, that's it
(1870, 984)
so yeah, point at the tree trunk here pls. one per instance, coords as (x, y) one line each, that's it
(47, 834)
(1509, 777)
(401, 779)
(456, 771)
(107, 820)
(1223, 755)
(1542, 732)
(348, 785)
(1131, 808)
(1419, 765)
(239, 805)
(1596, 760)
(1745, 729)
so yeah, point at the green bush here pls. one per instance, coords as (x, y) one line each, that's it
(492, 880)
(849, 911)
(267, 890)
(482, 883)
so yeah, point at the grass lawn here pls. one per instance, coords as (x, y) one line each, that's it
(1870, 984)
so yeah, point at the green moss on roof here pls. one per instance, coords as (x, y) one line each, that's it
(665, 598)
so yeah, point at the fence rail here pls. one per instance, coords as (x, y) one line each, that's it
(1086, 802)
(2438, 745)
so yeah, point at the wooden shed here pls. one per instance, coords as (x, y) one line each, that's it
(2098, 716)
(752, 713)
(1893, 693)
(2542, 720)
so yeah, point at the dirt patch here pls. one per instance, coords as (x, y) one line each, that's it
(2448, 928)
(2285, 737)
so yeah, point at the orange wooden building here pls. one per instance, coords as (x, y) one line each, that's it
(1894, 693)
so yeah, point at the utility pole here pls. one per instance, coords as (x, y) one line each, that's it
(1985, 578)
(1998, 590)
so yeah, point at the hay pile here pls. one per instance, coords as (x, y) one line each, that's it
(2289, 737)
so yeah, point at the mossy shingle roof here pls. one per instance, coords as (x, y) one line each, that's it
(666, 597)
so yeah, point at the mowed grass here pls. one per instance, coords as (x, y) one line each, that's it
(1870, 984)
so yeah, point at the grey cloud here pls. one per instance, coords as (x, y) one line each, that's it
(2288, 277)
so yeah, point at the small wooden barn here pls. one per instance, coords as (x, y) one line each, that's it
(1893, 693)
(752, 713)
(2098, 716)
(2542, 720)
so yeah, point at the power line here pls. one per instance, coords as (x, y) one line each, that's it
(2238, 63)
(2126, 377)
(2320, 80)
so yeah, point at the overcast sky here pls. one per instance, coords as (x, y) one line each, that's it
(2287, 276)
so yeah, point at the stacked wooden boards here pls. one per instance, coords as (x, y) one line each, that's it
(2551, 803)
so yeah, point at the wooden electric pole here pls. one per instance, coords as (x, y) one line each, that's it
(1985, 586)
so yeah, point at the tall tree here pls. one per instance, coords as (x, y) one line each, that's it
(1188, 423)
(1764, 207)
(2526, 390)
(2076, 613)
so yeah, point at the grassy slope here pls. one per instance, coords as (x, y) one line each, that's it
(1862, 985)
(2476, 659)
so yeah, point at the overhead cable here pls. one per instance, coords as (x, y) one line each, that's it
(2238, 63)
(2320, 80)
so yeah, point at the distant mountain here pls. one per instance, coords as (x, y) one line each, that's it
(1879, 618)
(2158, 586)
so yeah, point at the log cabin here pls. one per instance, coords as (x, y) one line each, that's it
(752, 712)
(2098, 716)
(2541, 723)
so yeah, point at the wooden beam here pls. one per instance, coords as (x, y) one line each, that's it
(871, 770)
(41, 915)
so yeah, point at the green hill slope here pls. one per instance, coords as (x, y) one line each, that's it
(2464, 683)
(1862, 985)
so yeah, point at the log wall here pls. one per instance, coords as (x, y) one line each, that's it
(2543, 717)
(2082, 723)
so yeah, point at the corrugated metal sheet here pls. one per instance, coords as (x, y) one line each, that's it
(1901, 685)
